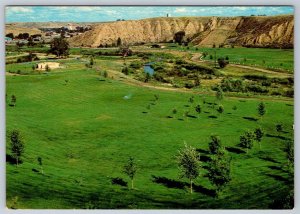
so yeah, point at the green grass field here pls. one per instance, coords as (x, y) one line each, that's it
(85, 130)
(274, 59)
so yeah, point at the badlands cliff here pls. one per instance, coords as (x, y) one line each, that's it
(254, 31)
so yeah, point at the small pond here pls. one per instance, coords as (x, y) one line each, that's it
(148, 69)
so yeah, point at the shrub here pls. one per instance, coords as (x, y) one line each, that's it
(215, 144)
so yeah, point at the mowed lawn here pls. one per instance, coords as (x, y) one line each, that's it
(84, 131)
(274, 59)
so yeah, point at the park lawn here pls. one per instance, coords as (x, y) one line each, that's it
(85, 130)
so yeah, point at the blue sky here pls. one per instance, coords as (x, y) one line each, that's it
(111, 13)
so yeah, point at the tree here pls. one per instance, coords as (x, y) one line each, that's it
(219, 93)
(215, 145)
(289, 149)
(246, 140)
(178, 37)
(125, 70)
(13, 100)
(191, 99)
(174, 111)
(10, 35)
(219, 172)
(105, 75)
(91, 61)
(147, 78)
(189, 164)
(59, 47)
(39, 159)
(30, 42)
(47, 68)
(198, 109)
(220, 109)
(130, 169)
(222, 62)
(119, 42)
(17, 145)
(279, 128)
(261, 109)
(258, 135)
(197, 81)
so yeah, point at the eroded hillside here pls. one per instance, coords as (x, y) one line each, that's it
(262, 31)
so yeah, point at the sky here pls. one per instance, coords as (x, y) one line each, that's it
(112, 13)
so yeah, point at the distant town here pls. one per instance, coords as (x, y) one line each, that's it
(47, 35)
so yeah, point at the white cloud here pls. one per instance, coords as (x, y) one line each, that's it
(180, 10)
(19, 9)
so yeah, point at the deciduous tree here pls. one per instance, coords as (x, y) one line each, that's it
(17, 145)
(246, 140)
(219, 172)
(130, 169)
(189, 164)
(59, 47)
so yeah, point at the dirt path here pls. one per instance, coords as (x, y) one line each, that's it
(261, 70)
(197, 57)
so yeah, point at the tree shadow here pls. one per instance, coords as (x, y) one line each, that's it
(180, 119)
(205, 191)
(229, 113)
(12, 160)
(251, 118)
(279, 178)
(170, 183)
(119, 181)
(278, 136)
(267, 158)
(169, 117)
(275, 168)
(205, 158)
(191, 116)
(212, 116)
(144, 112)
(186, 105)
(202, 151)
(35, 170)
(235, 150)
(206, 112)
(211, 103)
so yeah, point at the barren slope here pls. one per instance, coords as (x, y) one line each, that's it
(204, 31)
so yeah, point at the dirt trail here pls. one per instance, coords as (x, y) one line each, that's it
(197, 57)
(261, 70)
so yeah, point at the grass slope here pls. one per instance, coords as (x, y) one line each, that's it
(85, 131)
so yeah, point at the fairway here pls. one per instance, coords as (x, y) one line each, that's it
(84, 130)
(149, 108)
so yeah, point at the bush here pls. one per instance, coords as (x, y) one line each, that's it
(189, 85)
(222, 62)
(125, 70)
(136, 65)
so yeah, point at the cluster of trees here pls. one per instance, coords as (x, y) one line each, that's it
(59, 47)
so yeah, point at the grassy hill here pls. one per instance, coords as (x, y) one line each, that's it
(84, 129)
